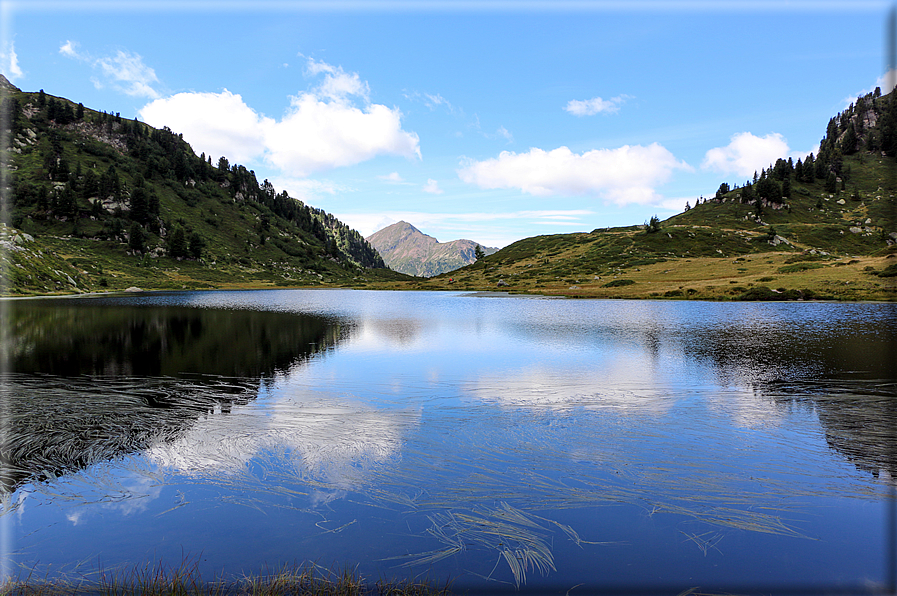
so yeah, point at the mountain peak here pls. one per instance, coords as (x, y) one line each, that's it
(406, 249)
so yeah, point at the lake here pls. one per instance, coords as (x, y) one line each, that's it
(506, 443)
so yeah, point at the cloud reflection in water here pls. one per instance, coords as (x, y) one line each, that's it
(323, 438)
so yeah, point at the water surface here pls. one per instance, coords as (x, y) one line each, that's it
(507, 443)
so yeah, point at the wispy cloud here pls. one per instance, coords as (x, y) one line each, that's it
(69, 48)
(124, 71)
(432, 187)
(9, 62)
(500, 133)
(590, 107)
(623, 176)
(338, 85)
(394, 178)
(329, 126)
(432, 101)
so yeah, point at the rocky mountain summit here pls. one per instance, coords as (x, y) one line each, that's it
(406, 249)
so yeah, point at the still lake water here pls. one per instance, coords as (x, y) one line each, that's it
(507, 443)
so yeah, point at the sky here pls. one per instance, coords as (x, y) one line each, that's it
(485, 120)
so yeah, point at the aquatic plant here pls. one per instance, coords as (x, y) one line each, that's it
(158, 579)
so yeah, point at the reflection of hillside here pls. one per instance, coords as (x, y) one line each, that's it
(842, 362)
(859, 419)
(79, 338)
(93, 383)
(847, 377)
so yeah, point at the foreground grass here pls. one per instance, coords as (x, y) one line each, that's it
(185, 580)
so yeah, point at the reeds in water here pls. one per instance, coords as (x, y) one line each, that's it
(185, 579)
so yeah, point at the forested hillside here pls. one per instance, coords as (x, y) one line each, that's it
(100, 201)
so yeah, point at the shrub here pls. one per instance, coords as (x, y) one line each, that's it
(889, 271)
(618, 283)
(799, 267)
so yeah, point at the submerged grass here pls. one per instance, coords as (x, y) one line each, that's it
(308, 579)
(519, 538)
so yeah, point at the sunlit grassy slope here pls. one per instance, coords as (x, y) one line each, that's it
(835, 245)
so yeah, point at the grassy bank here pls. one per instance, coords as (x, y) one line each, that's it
(308, 579)
(784, 275)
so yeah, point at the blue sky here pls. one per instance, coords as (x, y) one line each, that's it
(491, 121)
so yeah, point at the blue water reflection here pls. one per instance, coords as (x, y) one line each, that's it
(508, 443)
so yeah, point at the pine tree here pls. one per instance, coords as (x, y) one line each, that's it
(136, 238)
(178, 247)
(196, 245)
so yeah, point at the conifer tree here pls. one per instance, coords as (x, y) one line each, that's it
(178, 247)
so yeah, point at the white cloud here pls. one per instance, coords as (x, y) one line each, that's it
(746, 153)
(129, 74)
(68, 49)
(590, 107)
(316, 135)
(217, 124)
(9, 62)
(393, 177)
(624, 175)
(885, 82)
(432, 187)
(126, 71)
(310, 190)
(677, 204)
(322, 129)
(888, 82)
(338, 84)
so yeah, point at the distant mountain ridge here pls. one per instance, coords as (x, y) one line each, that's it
(406, 249)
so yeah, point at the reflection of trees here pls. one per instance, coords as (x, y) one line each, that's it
(859, 418)
(81, 338)
(92, 383)
(848, 377)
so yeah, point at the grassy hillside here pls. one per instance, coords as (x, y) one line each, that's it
(823, 231)
(100, 203)
(97, 202)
